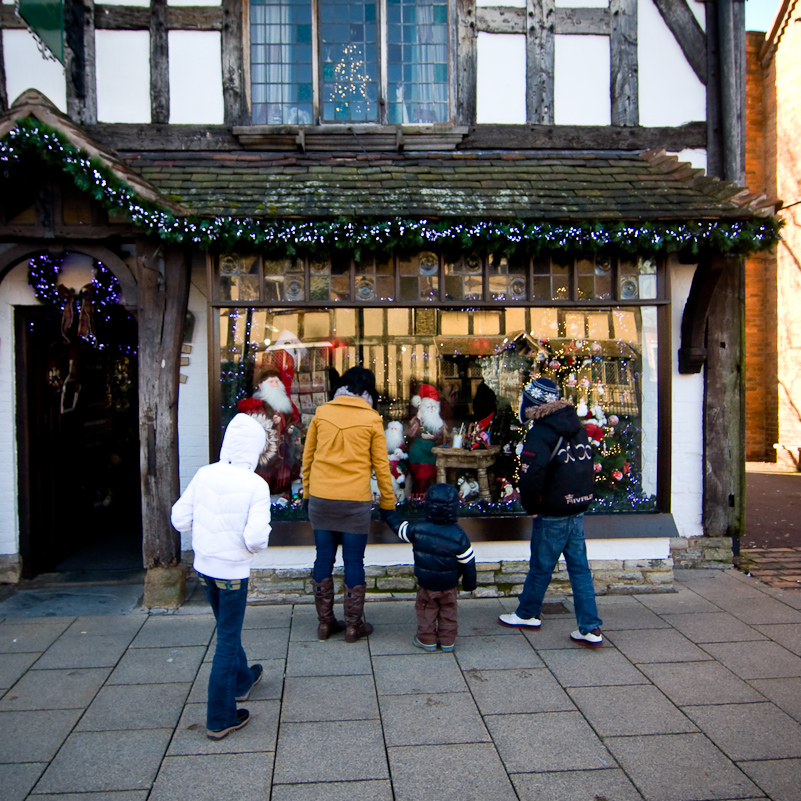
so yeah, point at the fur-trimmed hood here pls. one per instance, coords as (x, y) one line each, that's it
(559, 415)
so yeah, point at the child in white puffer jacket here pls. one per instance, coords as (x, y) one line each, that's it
(227, 508)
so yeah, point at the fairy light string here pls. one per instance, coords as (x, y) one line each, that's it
(365, 237)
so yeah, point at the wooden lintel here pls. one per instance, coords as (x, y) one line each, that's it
(179, 18)
(501, 19)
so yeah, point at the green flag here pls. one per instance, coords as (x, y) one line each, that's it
(46, 19)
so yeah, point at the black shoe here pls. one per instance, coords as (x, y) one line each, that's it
(258, 672)
(242, 718)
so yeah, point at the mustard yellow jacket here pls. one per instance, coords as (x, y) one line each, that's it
(344, 444)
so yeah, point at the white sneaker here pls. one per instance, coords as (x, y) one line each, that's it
(515, 622)
(593, 639)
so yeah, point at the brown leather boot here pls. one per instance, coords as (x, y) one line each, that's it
(324, 603)
(355, 626)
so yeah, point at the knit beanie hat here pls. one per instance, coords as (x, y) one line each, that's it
(538, 391)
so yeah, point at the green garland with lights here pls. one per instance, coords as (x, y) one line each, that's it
(363, 237)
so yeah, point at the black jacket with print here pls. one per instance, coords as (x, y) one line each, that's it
(556, 474)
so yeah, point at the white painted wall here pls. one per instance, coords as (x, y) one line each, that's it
(26, 68)
(196, 93)
(193, 396)
(687, 436)
(581, 84)
(670, 92)
(123, 76)
(695, 156)
(501, 78)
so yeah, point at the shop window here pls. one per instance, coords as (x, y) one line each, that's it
(476, 362)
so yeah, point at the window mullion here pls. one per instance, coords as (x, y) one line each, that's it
(316, 77)
(383, 113)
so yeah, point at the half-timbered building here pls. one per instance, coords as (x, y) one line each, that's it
(451, 193)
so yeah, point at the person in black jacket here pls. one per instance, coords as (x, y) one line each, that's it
(442, 553)
(556, 487)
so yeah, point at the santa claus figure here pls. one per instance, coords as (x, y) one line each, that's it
(426, 430)
(273, 408)
(397, 459)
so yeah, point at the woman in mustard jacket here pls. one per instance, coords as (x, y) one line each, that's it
(344, 445)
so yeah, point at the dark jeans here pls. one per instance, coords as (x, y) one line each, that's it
(550, 537)
(353, 546)
(230, 675)
(437, 616)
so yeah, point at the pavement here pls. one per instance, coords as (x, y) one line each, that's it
(696, 695)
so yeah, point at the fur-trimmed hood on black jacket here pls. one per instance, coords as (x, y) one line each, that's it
(557, 476)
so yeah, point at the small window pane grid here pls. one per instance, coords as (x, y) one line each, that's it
(417, 56)
(429, 278)
(595, 355)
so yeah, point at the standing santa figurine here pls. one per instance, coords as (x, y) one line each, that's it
(426, 430)
(273, 408)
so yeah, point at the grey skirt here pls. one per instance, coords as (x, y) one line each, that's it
(351, 517)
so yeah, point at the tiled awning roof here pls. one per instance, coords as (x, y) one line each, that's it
(525, 185)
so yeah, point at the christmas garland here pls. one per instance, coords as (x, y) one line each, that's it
(363, 237)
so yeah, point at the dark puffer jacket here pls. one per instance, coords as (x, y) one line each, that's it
(556, 481)
(442, 551)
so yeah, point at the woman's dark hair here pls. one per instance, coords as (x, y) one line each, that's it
(359, 380)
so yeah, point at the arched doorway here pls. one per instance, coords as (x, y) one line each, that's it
(77, 434)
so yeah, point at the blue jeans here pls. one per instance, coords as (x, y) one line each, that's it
(353, 546)
(230, 674)
(550, 537)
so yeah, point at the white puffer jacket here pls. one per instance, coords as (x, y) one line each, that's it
(227, 506)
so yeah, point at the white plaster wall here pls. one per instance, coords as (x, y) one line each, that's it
(501, 78)
(520, 551)
(196, 93)
(695, 156)
(670, 92)
(123, 76)
(581, 84)
(14, 291)
(687, 436)
(193, 396)
(26, 68)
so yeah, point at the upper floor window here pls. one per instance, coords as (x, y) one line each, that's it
(349, 61)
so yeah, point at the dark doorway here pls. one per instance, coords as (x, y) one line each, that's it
(78, 446)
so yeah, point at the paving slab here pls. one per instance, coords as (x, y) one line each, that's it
(778, 778)
(785, 693)
(328, 658)
(786, 634)
(713, 627)
(418, 673)
(84, 652)
(480, 618)
(680, 767)
(12, 666)
(506, 692)
(489, 653)
(377, 790)
(332, 751)
(749, 731)
(397, 639)
(115, 599)
(766, 611)
(631, 615)
(124, 795)
(682, 601)
(696, 683)
(30, 637)
(575, 785)
(158, 665)
(259, 644)
(585, 667)
(55, 689)
(553, 635)
(137, 706)
(618, 711)
(433, 719)
(17, 780)
(245, 777)
(756, 660)
(35, 736)
(319, 698)
(259, 734)
(271, 684)
(169, 631)
(269, 617)
(449, 773)
(105, 625)
(658, 645)
(106, 761)
(547, 741)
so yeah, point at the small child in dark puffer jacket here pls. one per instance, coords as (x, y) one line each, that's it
(442, 553)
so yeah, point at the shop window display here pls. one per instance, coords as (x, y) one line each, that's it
(450, 376)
